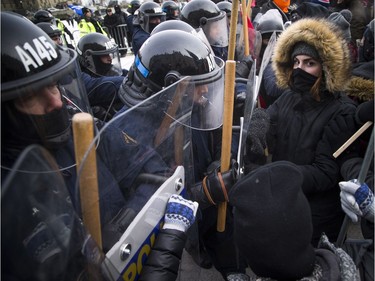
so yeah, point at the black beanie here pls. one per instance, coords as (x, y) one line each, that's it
(302, 48)
(272, 221)
(85, 10)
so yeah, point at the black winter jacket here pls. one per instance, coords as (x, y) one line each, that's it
(297, 126)
(164, 260)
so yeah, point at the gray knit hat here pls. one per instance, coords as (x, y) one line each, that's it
(302, 48)
(342, 19)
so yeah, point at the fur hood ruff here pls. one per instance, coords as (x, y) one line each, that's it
(329, 43)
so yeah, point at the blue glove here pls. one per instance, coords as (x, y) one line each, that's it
(357, 200)
(180, 213)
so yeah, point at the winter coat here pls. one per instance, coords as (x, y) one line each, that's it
(164, 260)
(332, 264)
(298, 120)
(111, 21)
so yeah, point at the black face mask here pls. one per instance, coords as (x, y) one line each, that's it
(302, 81)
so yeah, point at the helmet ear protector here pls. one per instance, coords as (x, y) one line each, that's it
(203, 21)
(171, 77)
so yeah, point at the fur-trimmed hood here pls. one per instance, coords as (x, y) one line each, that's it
(327, 40)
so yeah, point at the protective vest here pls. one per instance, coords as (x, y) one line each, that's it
(86, 27)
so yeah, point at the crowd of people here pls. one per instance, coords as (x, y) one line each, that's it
(288, 201)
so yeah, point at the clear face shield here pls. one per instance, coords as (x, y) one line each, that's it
(202, 36)
(206, 94)
(151, 21)
(216, 30)
(106, 62)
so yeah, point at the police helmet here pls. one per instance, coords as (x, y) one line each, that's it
(197, 12)
(171, 9)
(226, 7)
(30, 62)
(91, 48)
(133, 6)
(146, 12)
(173, 24)
(165, 58)
(43, 16)
(52, 31)
(206, 14)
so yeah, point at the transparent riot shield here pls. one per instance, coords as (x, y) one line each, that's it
(252, 92)
(144, 153)
(251, 101)
(42, 238)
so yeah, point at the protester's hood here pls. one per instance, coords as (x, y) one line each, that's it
(325, 37)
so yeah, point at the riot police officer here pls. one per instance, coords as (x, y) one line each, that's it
(148, 15)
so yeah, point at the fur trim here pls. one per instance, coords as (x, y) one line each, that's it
(327, 40)
(361, 88)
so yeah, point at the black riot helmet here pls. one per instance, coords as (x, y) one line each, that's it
(206, 14)
(173, 24)
(196, 12)
(31, 63)
(171, 9)
(133, 6)
(43, 16)
(93, 49)
(52, 30)
(165, 58)
(146, 13)
(226, 7)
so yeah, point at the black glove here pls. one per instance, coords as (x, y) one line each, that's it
(215, 186)
(243, 67)
(256, 137)
(365, 112)
(337, 132)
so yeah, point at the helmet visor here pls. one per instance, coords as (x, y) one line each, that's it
(206, 93)
(216, 30)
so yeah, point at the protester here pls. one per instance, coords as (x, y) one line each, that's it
(356, 197)
(164, 260)
(122, 30)
(273, 228)
(343, 20)
(316, 71)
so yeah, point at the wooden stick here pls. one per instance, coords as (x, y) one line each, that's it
(249, 8)
(230, 69)
(233, 29)
(352, 139)
(245, 28)
(83, 133)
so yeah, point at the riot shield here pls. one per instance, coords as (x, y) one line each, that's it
(146, 149)
(252, 92)
(42, 236)
(251, 101)
(266, 59)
